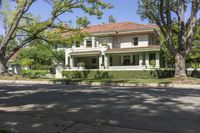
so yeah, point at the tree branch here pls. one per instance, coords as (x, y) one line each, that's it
(169, 29)
(193, 23)
(26, 5)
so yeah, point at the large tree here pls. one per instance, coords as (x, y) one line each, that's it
(192, 60)
(21, 25)
(167, 12)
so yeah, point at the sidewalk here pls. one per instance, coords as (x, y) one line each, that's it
(169, 85)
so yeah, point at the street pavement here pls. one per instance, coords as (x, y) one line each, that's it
(101, 109)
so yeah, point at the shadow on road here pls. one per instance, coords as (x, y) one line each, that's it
(148, 109)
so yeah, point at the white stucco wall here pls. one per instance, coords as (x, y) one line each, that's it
(143, 40)
(126, 41)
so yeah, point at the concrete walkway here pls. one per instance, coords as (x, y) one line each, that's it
(89, 109)
(171, 85)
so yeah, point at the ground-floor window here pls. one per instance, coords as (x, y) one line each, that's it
(94, 60)
(135, 59)
(102, 60)
(126, 60)
(111, 61)
(152, 57)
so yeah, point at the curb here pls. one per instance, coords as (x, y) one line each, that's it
(157, 85)
(24, 82)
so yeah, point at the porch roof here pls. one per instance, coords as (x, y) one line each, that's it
(79, 53)
(134, 50)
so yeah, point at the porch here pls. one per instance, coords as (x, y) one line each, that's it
(113, 61)
(133, 61)
(89, 62)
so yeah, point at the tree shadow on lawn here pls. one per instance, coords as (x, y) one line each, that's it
(154, 109)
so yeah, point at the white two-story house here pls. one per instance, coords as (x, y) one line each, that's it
(121, 46)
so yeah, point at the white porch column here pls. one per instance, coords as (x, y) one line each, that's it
(106, 61)
(93, 42)
(97, 42)
(100, 61)
(71, 62)
(140, 59)
(66, 60)
(157, 60)
(147, 59)
(85, 43)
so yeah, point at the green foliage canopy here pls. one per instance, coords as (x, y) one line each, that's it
(22, 25)
(40, 56)
(82, 22)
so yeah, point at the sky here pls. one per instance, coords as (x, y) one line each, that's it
(124, 10)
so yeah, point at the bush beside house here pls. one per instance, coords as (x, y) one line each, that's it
(35, 73)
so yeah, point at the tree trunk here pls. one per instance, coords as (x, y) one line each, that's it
(180, 69)
(3, 67)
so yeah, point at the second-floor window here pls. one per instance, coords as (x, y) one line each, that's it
(135, 41)
(89, 43)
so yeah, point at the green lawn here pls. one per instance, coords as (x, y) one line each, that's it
(189, 80)
(164, 80)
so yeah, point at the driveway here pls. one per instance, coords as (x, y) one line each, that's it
(87, 109)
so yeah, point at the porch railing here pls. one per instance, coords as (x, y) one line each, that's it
(127, 67)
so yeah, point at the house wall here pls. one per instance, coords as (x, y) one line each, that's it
(118, 41)
(126, 41)
(115, 41)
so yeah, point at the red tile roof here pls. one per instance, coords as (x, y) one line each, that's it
(117, 27)
(123, 26)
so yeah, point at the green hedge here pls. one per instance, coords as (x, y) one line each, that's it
(147, 74)
(35, 73)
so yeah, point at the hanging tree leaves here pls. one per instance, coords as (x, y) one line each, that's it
(20, 24)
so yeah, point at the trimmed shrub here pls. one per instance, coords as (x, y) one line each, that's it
(109, 74)
(35, 73)
(195, 73)
(146, 74)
